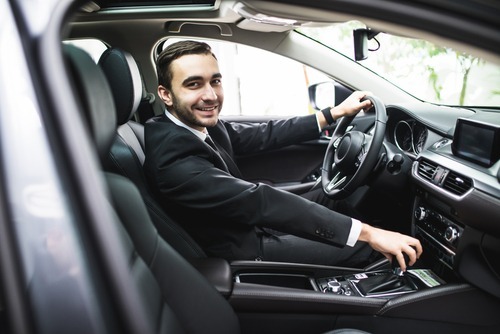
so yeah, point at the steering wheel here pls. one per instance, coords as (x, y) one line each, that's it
(351, 156)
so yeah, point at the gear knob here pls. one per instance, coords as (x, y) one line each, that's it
(395, 264)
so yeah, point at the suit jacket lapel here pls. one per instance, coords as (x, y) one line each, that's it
(229, 162)
(225, 159)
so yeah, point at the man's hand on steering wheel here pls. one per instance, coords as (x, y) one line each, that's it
(353, 104)
(349, 107)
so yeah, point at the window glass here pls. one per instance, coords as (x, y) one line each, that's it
(431, 72)
(259, 83)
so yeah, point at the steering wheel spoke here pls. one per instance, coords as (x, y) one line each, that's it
(337, 180)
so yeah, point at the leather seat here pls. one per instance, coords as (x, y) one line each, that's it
(126, 156)
(169, 286)
(176, 298)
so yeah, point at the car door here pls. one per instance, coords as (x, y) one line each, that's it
(62, 260)
(294, 168)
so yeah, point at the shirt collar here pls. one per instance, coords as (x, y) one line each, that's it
(199, 134)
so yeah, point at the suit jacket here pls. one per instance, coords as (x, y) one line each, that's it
(223, 212)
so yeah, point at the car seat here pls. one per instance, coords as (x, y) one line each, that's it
(126, 156)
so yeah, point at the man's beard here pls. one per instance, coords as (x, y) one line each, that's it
(188, 117)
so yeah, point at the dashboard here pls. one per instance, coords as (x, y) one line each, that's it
(456, 201)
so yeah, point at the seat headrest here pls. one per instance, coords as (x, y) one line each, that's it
(125, 81)
(97, 105)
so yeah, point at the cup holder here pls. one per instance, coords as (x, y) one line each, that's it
(282, 280)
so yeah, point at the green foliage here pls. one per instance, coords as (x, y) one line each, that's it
(434, 80)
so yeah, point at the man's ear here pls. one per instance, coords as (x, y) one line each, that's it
(165, 95)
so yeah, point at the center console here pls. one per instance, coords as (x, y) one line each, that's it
(379, 283)
(313, 298)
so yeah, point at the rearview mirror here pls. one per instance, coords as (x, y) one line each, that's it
(360, 44)
(361, 37)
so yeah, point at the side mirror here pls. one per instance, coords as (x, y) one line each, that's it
(322, 95)
(327, 94)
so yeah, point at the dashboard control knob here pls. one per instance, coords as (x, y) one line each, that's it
(451, 234)
(398, 159)
(420, 213)
(335, 287)
(394, 166)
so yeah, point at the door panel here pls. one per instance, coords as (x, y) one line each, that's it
(290, 165)
(297, 167)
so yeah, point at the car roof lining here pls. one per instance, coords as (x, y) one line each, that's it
(226, 12)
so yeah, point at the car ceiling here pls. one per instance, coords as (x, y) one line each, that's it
(474, 22)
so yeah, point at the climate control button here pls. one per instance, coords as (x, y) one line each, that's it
(451, 234)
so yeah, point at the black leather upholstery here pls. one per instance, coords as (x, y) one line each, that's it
(94, 96)
(126, 156)
(176, 294)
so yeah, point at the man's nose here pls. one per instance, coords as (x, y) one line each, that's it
(209, 93)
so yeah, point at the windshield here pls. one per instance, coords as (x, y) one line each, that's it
(430, 72)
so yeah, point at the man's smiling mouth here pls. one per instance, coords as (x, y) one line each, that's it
(208, 109)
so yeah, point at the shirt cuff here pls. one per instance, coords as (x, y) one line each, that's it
(317, 122)
(355, 232)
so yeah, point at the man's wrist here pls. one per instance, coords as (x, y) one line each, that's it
(365, 233)
(327, 113)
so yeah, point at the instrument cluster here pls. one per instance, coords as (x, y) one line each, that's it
(410, 136)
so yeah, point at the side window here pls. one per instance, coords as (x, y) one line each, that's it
(260, 83)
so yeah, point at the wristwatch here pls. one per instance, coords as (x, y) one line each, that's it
(328, 115)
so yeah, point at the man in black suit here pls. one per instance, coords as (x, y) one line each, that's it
(189, 164)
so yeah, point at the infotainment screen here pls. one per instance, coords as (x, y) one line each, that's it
(476, 141)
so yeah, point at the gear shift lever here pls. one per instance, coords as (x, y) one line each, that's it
(396, 269)
(393, 281)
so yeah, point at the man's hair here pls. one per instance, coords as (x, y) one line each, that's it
(174, 51)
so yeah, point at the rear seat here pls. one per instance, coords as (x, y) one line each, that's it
(127, 152)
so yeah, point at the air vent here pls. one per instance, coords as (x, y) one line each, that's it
(426, 169)
(449, 180)
(440, 143)
(457, 184)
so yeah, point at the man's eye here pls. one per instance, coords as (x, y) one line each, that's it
(193, 84)
(217, 82)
